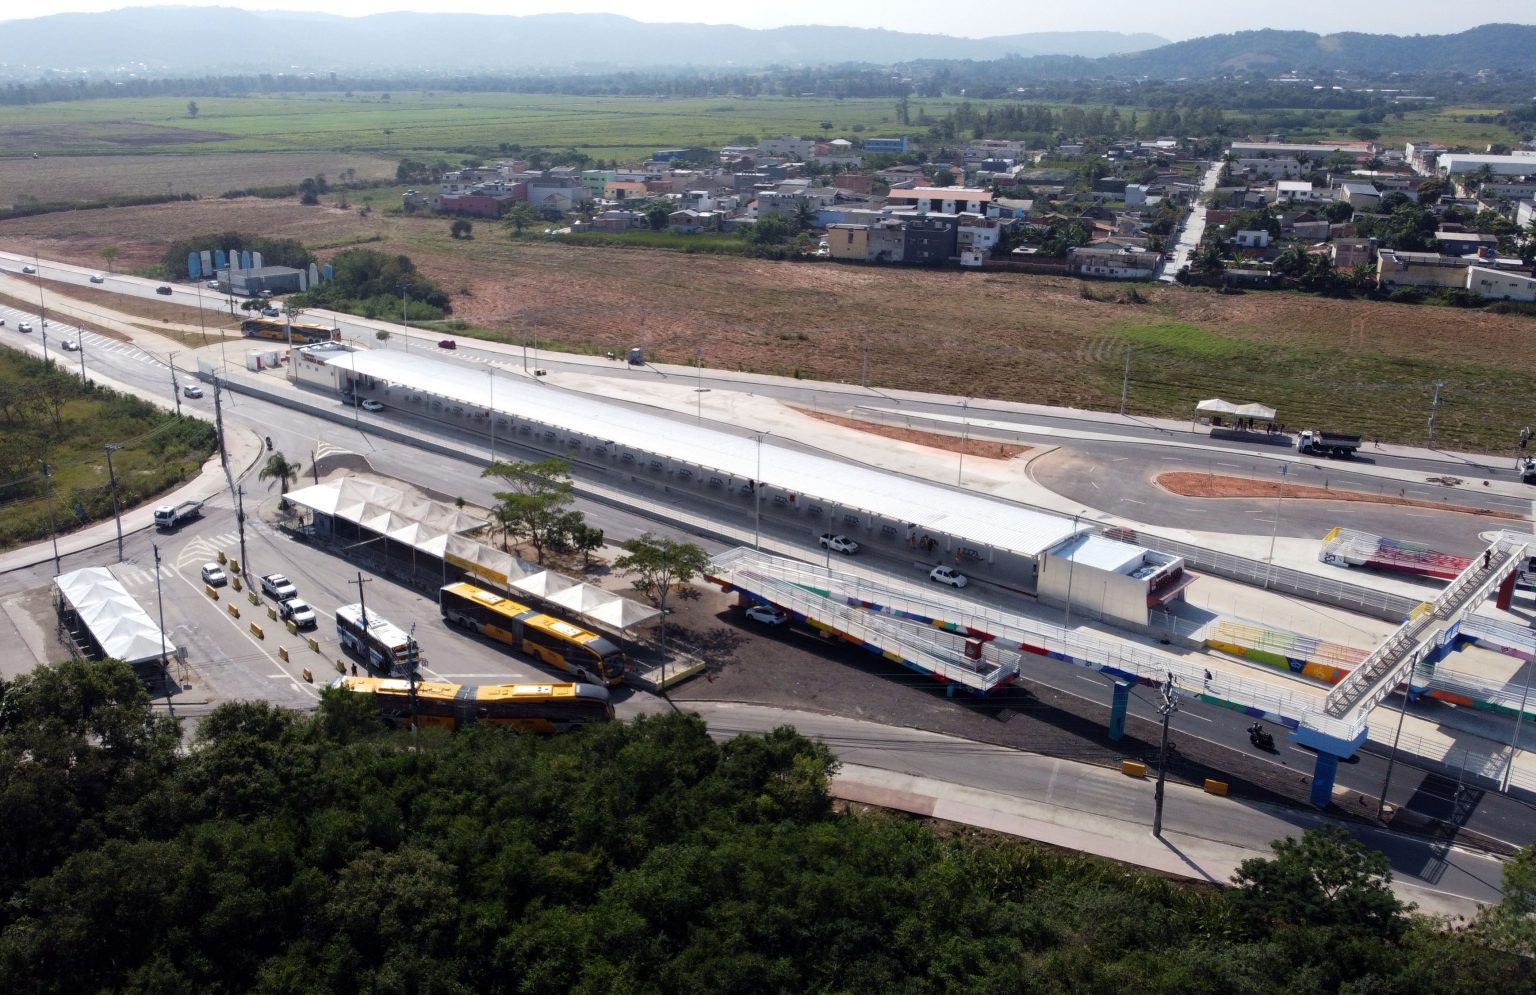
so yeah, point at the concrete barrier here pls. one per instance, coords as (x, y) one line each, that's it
(256, 631)
(222, 557)
(341, 668)
(1133, 768)
(271, 612)
(293, 627)
(234, 611)
(234, 581)
(314, 644)
(309, 678)
(253, 597)
(211, 591)
(234, 565)
(1215, 787)
(282, 653)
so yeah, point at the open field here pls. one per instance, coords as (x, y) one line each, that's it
(88, 177)
(412, 122)
(1208, 485)
(417, 122)
(1330, 363)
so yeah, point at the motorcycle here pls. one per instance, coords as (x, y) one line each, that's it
(269, 443)
(1258, 736)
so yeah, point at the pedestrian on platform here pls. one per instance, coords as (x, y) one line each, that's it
(1207, 678)
(1487, 558)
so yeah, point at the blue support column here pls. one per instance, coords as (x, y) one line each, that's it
(1322, 779)
(1122, 697)
(949, 690)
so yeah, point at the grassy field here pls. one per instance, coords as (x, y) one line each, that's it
(1361, 365)
(88, 177)
(415, 122)
(412, 122)
(47, 414)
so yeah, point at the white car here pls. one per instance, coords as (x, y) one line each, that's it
(214, 576)
(192, 391)
(945, 575)
(213, 285)
(279, 588)
(29, 269)
(98, 278)
(371, 405)
(767, 614)
(297, 611)
(24, 326)
(69, 345)
(838, 543)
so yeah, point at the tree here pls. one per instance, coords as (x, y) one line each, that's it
(659, 565)
(109, 254)
(1325, 879)
(657, 215)
(770, 229)
(279, 469)
(192, 108)
(944, 178)
(382, 335)
(1511, 925)
(805, 216)
(461, 229)
(519, 217)
(586, 539)
(1208, 261)
(533, 508)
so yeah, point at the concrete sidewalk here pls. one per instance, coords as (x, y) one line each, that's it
(1210, 855)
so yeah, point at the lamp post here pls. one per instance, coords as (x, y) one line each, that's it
(80, 348)
(165, 666)
(757, 496)
(1285, 468)
(1066, 616)
(700, 390)
(1514, 741)
(111, 448)
(42, 308)
(964, 438)
(53, 530)
(405, 318)
(491, 405)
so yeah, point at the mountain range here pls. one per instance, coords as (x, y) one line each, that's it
(179, 41)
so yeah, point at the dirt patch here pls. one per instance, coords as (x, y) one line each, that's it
(933, 440)
(89, 177)
(1186, 484)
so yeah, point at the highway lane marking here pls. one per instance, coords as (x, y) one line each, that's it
(1235, 466)
(1095, 484)
(1117, 459)
(1132, 501)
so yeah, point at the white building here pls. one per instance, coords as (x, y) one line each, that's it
(1500, 286)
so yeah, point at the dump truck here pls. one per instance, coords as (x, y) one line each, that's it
(1334, 444)
(168, 516)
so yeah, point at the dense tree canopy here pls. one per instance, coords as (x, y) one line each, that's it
(321, 853)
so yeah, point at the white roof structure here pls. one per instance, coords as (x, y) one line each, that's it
(1100, 553)
(1252, 410)
(120, 627)
(976, 518)
(343, 499)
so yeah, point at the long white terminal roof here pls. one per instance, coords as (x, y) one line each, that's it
(977, 519)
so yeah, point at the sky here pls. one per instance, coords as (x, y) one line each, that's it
(1175, 20)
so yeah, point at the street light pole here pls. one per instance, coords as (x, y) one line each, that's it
(1514, 742)
(1434, 408)
(42, 308)
(492, 405)
(1168, 705)
(1381, 803)
(1125, 382)
(964, 438)
(53, 530)
(757, 497)
(700, 390)
(1285, 468)
(405, 319)
(111, 448)
(165, 667)
(1066, 616)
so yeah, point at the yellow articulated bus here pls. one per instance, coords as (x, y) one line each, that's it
(275, 330)
(551, 640)
(537, 708)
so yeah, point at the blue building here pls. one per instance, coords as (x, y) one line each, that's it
(886, 144)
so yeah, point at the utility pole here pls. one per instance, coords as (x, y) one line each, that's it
(964, 438)
(42, 309)
(1125, 382)
(175, 387)
(80, 348)
(245, 567)
(1386, 782)
(218, 424)
(865, 378)
(111, 448)
(1434, 408)
(362, 612)
(405, 319)
(411, 654)
(1168, 705)
(53, 530)
(165, 667)
(1269, 573)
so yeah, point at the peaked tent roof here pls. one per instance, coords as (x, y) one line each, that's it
(120, 627)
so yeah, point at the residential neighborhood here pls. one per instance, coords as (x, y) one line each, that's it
(1343, 215)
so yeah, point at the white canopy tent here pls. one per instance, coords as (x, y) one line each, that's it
(121, 628)
(1217, 406)
(372, 505)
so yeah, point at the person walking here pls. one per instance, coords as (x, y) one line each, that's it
(1487, 558)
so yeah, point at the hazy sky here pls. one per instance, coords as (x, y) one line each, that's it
(1173, 19)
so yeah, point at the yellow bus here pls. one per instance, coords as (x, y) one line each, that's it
(538, 708)
(275, 330)
(553, 641)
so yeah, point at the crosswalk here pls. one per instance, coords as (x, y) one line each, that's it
(204, 549)
(92, 343)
